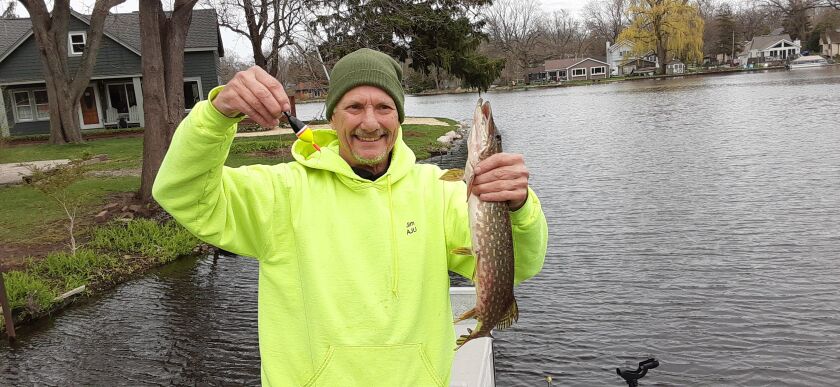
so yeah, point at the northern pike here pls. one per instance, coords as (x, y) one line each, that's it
(492, 240)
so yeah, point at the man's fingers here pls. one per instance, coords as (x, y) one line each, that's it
(504, 196)
(501, 173)
(259, 97)
(262, 93)
(498, 160)
(247, 108)
(275, 88)
(263, 115)
(520, 184)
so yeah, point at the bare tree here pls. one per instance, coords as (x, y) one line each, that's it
(514, 27)
(559, 31)
(707, 9)
(753, 19)
(64, 85)
(9, 12)
(606, 18)
(795, 15)
(164, 39)
(268, 25)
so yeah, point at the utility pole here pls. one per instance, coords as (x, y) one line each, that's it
(732, 58)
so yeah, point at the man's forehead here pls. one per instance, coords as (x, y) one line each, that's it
(366, 93)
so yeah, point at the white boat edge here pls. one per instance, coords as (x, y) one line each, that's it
(474, 364)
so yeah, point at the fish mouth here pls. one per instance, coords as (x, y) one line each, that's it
(487, 115)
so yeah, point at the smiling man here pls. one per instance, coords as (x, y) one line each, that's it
(354, 240)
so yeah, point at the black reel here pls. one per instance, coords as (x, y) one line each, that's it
(632, 377)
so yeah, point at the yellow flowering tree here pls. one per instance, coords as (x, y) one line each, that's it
(669, 28)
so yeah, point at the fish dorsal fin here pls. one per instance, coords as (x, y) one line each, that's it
(511, 316)
(453, 175)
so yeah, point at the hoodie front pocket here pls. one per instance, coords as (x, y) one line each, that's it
(376, 365)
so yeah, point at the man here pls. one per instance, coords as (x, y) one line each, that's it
(353, 240)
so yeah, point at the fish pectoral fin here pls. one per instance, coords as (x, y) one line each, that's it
(453, 175)
(466, 315)
(511, 316)
(462, 251)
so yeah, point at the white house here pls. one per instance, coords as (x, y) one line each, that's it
(620, 53)
(675, 66)
(575, 69)
(772, 47)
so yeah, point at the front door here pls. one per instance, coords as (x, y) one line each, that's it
(90, 113)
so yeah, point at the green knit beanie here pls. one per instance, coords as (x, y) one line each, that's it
(366, 67)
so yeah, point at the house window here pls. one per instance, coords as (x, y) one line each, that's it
(597, 70)
(581, 72)
(23, 106)
(192, 93)
(42, 105)
(76, 43)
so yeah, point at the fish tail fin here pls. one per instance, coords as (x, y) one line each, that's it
(511, 316)
(466, 315)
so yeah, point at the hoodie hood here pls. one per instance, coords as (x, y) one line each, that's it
(329, 159)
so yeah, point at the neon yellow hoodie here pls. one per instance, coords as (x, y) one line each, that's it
(353, 283)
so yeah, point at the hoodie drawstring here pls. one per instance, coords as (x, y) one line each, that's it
(394, 264)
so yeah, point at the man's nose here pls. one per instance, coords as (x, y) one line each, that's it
(369, 122)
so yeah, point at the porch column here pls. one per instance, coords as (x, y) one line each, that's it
(4, 120)
(138, 96)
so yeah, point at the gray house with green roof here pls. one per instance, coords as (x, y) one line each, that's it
(114, 97)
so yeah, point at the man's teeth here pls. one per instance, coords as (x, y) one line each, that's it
(368, 139)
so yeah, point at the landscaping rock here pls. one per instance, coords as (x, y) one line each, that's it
(102, 217)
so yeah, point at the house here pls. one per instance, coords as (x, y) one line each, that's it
(114, 96)
(638, 67)
(830, 43)
(576, 69)
(536, 74)
(776, 46)
(309, 90)
(675, 66)
(620, 54)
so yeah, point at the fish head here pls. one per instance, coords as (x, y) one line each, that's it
(484, 140)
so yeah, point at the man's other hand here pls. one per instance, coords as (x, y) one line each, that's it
(256, 94)
(502, 177)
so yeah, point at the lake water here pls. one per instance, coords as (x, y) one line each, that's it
(695, 220)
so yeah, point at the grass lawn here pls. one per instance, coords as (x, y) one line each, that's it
(29, 216)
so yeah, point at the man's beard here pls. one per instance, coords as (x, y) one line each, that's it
(370, 161)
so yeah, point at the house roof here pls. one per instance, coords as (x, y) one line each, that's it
(832, 36)
(123, 28)
(12, 32)
(674, 61)
(561, 64)
(763, 42)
